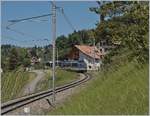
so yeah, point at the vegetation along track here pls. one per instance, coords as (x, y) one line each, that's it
(16, 103)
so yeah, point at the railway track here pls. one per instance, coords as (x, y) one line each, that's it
(16, 103)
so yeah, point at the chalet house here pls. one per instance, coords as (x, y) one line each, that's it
(35, 60)
(90, 55)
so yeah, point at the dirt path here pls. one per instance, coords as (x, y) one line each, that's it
(30, 87)
(41, 106)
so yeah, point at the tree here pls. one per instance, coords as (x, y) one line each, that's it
(26, 60)
(64, 44)
(13, 59)
(85, 37)
(47, 53)
(34, 51)
(5, 52)
(98, 11)
(126, 22)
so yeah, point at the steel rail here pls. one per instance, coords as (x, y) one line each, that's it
(16, 103)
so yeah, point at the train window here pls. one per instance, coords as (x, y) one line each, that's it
(104, 43)
(74, 64)
(100, 43)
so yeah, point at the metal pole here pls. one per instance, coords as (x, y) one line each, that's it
(54, 38)
(94, 54)
(93, 49)
(57, 56)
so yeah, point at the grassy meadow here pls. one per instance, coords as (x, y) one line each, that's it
(13, 82)
(62, 77)
(117, 91)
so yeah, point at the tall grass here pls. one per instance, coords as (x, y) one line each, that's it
(13, 82)
(122, 90)
(62, 77)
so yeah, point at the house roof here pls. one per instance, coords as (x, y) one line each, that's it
(89, 51)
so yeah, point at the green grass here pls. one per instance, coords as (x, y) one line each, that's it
(62, 77)
(122, 90)
(13, 82)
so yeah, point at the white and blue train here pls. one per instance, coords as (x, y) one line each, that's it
(69, 64)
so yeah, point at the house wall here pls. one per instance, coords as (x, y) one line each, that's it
(89, 61)
(73, 54)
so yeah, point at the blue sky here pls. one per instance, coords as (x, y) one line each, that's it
(77, 11)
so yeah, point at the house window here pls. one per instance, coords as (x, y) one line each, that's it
(90, 67)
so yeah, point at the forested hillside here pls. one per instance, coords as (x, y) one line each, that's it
(14, 56)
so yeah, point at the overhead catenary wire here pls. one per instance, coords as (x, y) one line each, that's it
(21, 33)
(34, 17)
(16, 21)
(68, 21)
(61, 10)
(13, 22)
(37, 21)
(14, 39)
(11, 38)
(24, 34)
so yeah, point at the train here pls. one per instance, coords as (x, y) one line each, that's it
(74, 65)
